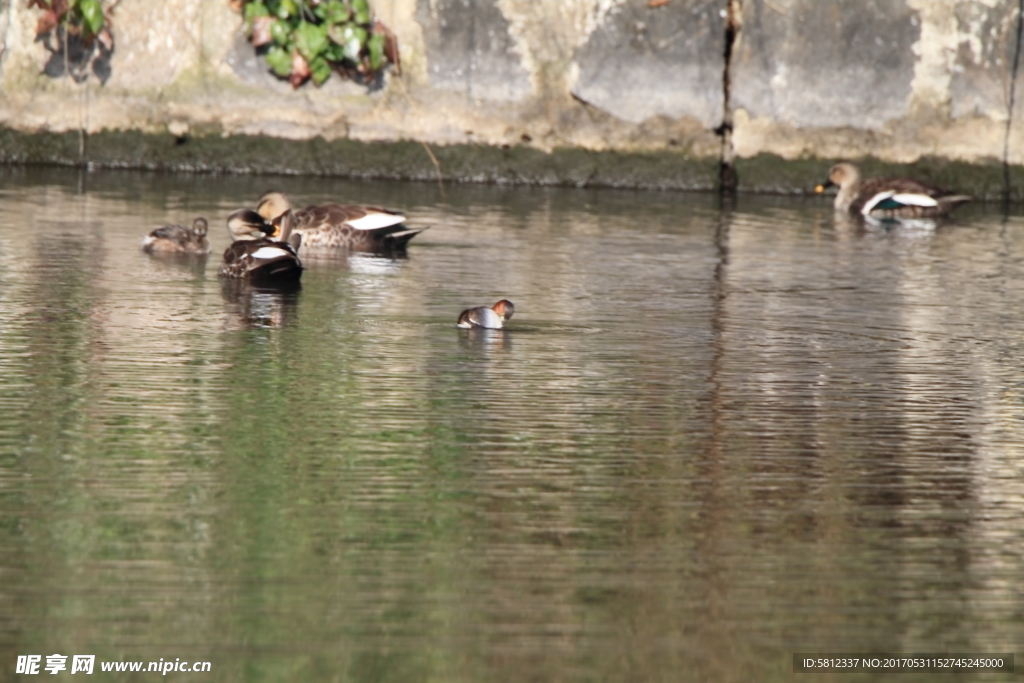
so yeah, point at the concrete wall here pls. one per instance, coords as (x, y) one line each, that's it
(895, 80)
(889, 78)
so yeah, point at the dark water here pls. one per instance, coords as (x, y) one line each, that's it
(710, 438)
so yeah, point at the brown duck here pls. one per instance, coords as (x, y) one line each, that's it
(178, 239)
(351, 227)
(888, 197)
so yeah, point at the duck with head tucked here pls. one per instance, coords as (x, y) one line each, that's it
(493, 318)
(178, 239)
(261, 253)
(887, 197)
(351, 227)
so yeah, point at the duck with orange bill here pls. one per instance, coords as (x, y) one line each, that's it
(887, 197)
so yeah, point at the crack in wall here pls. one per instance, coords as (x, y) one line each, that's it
(727, 178)
(1010, 103)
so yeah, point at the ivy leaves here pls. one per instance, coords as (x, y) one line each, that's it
(78, 35)
(92, 15)
(83, 18)
(303, 39)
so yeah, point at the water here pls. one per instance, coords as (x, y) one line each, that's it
(710, 438)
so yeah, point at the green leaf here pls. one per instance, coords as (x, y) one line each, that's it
(255, 9)
(310, 40)
(280, 32)
(361, 8)
(376, 47)
(335, 12)
(287, 8)
(92, 13)
(320, 70)
(280, 61)
(334, 53)
(353, 38)
(336, 32)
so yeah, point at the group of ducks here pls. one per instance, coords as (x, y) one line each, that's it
(265, 241)
(265, 244)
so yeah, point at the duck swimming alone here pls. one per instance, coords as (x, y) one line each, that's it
(178, 239)
(492, 318)
(257, 258)
(887, 197)
(341, 226)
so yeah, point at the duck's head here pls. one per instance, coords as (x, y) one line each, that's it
(246, 224)
(273, 204)
(282, 226)
(843, 174)
(200, 227)
(504, 309)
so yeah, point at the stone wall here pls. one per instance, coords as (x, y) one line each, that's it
(497, 90)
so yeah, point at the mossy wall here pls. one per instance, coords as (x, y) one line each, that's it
(625, 93)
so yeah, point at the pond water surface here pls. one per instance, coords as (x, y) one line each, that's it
(711, 437)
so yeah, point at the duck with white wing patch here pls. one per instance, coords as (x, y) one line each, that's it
(353, 227)
(262, 253)
(493, 318)
(887, 197)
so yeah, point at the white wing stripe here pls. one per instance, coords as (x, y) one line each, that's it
(874, 201)
(915, 199)
(268, 252)
(373, 221)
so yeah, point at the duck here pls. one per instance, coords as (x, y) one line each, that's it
(493, 318)
(887, 197)
(254, 256)
(178, 239)
(353, 227)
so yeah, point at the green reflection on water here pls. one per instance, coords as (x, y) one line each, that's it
(677, 459)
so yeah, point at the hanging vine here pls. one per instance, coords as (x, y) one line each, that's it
(308, 39)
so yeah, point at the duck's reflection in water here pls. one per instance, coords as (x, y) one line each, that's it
(250, 307)
(849, 226)
(479, 339)
(356, 262)
(171, 265)
(376, 264)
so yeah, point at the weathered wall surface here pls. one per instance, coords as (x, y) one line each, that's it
(890, 78)
(582, 84)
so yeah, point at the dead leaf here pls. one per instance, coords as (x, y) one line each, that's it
(46, 23)
(654, 4)
(106, 39)
(261, 31)
(300, 70)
